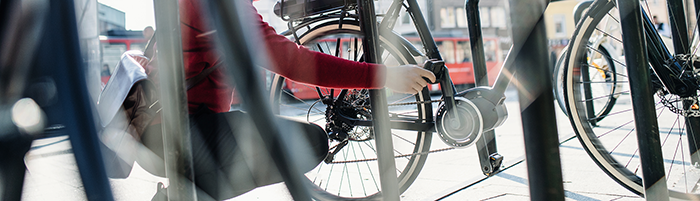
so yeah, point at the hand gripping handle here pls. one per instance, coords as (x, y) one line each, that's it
(434, 66)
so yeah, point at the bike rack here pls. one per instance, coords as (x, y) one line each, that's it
(238, 42)
(58, 57)
(681, 45)
(653, 175)
(488, 139)
(177, 146)
(536, 101)
(380, 112)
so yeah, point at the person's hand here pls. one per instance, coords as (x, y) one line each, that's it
(407, 78)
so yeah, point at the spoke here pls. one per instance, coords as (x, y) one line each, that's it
(613, 17)
(593, 67)
(302, 109)
(605, 96)
(601, 82)
(370, 169)
(623, 139)
(611, 114)
(354, 153)
(615, 129)
(299, 99)
(608, 34)
(347, 173)
(402, 138)
(614, 60)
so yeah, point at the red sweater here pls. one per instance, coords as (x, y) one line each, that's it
(286, 57)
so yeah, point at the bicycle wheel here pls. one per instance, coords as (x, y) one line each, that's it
(611, 141)
(605, 72)
(353, 172)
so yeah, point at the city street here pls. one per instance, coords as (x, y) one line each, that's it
(449, 175)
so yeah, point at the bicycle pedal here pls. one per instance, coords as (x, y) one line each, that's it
(496, 161)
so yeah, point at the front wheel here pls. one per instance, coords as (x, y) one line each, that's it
(352, 173)
(611, 139)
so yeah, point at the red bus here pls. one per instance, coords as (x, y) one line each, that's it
(113, 45)
(456, 53)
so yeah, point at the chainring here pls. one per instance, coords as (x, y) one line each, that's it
(461, 126)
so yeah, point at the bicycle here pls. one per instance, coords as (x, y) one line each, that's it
(334, 28)
(598, 99)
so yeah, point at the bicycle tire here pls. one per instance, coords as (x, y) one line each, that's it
(611, 143)
(608, 102)
(412, 153)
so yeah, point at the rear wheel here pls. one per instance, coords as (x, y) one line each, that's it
(353, 172)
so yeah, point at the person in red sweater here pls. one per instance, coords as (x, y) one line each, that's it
(287, 59)
(219, 169)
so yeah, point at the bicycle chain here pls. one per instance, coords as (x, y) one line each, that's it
(669, 104)
(415, 102)
(404, 155)
(399, 156)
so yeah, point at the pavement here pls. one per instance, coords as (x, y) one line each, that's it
(449, 175)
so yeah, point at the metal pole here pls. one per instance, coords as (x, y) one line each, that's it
(238, 42)
(177, 144)
(536, 101)
(59, 49)
(13, 147)
(380, 112)
(681, 45)
(647, 128)
(488, 139)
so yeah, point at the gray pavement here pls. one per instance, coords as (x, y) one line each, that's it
(448, 175)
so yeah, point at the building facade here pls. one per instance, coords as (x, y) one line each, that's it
(110, 18)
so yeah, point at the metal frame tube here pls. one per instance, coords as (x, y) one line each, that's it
(681, 45)
(380, 112)
(536, 102)
(60, 49)
(486, 144)
(177, 145)
(647, 127)
(237, 37)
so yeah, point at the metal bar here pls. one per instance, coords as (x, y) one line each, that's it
(13, 147)
(679, 26)
(177, 145)
(647, 127)
(536, 102)
(588, 95)
(59, 49)
(477, 43)
(238, 39)
(423, 30)
(486, 144)
(380, 111)
(681, 45)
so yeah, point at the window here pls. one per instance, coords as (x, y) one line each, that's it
(461, 17)
(485, 16)
(463, 51)
(446, 49)
(498, 17)
(447, 17)
(111, 54)
(559, 25)
(490, 48)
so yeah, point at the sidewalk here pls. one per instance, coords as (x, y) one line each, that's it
(449, 175)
